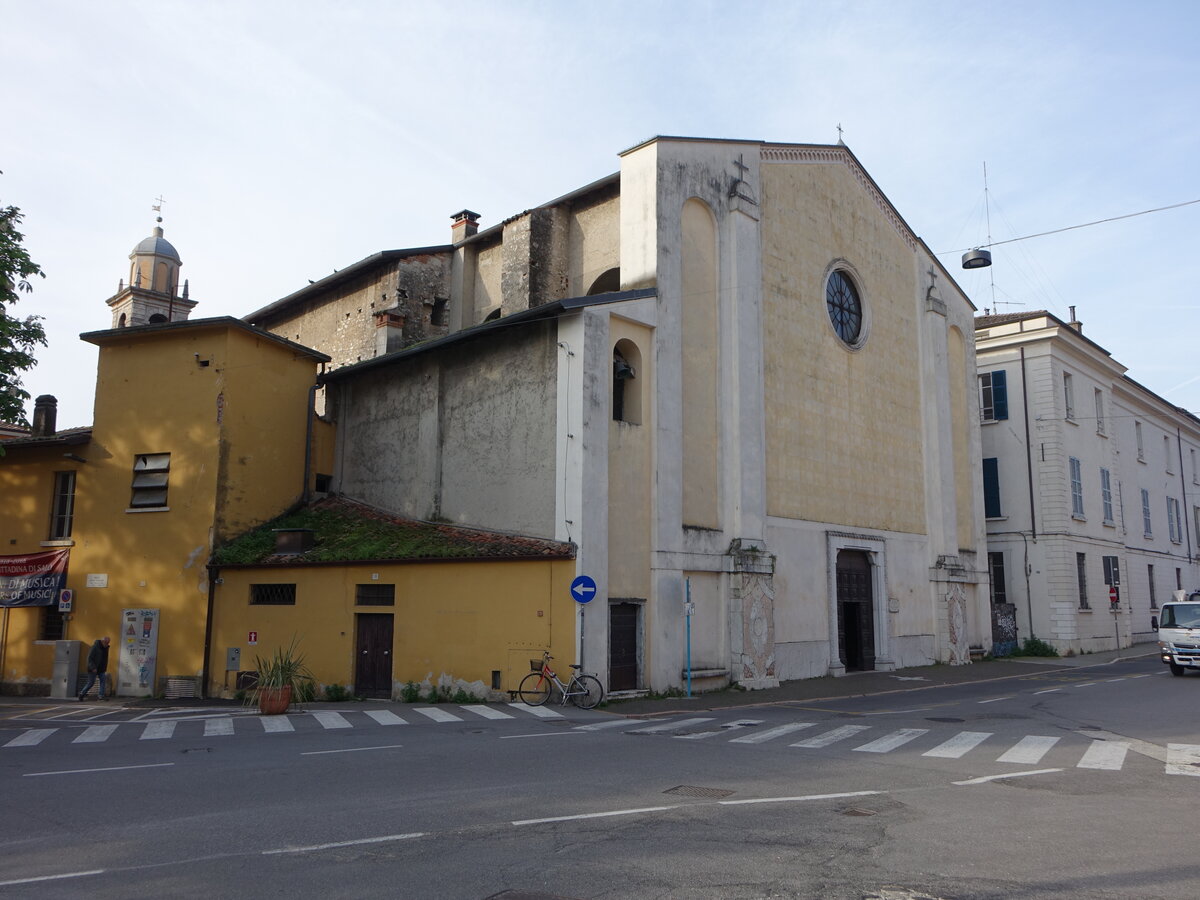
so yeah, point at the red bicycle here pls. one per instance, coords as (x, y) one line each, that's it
(585, 691)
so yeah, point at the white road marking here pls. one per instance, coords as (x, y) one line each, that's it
(218, 727)
(374, 840)
(995, 700)
(276, 724)
(959, 745)
(670, 726)
(350, 750)
(797, 799)
(602, 815)
(31, 738)
(511, 737)
(438, 715)
(1104, 755)
(541, 712)
(987, 778)
(157, 731)
(1030, 749)
(1048, 691)
(385, 717)
(90, 771)
(1116, 679)
(94, 734)
(331, 719)
(600, 726)
(488, 712)
(52, 877)
(890, 742)
(1087, 684)
(1183, 759)
(832, 737)
(731, 726)
(771, 733)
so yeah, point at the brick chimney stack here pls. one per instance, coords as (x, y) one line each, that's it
(45, 416)
(466, 224)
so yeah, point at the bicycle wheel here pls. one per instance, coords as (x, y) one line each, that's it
(535, 689)
(587, 692)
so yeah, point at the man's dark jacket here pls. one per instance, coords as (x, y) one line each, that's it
(98, 657)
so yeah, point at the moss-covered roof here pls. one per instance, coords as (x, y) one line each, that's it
(347, 531)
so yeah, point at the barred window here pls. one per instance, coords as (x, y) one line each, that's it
(375, 594)
(272, 595)
(51, 626)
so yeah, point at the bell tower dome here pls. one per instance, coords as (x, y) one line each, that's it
(152, 295)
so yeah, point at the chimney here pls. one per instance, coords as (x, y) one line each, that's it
(1075, 323)
(45, 414)
(466, 224)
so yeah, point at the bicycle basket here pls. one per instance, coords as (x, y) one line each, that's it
(535, 665)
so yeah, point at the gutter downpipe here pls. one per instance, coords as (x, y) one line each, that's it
(1029, 474)
(213, 572)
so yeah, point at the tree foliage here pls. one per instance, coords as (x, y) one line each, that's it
(18, 336)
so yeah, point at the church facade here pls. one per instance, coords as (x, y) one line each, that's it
(730, 374)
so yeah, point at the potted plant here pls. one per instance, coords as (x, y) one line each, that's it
(282, 677)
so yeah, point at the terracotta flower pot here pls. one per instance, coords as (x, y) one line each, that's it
(274, 701)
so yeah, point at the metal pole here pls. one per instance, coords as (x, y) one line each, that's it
(687, 614)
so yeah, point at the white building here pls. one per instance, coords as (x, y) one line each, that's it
(1091, 484)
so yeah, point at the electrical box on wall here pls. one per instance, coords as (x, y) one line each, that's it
(233, 659)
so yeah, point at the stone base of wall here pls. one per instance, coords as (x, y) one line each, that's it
(25, 688)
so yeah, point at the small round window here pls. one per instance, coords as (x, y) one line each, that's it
(845, 308)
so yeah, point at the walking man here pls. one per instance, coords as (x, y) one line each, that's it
(97, 666)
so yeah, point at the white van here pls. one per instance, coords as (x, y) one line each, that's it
(1179, 633)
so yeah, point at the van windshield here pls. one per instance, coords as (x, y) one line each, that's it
(1178, 615)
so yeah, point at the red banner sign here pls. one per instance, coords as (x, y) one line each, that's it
(34, 579)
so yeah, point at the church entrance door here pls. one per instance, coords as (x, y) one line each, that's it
(855, 611)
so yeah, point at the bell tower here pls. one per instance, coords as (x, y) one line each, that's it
(152, 295)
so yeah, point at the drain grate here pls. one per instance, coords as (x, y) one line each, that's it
(687, 790)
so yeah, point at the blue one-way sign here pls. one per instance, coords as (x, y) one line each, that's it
(583, 588)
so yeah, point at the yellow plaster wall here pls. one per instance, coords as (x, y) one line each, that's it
(629, 481)
(701, 365)
(460, 620)
(844, 436)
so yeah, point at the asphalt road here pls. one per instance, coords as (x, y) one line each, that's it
(1073, 783)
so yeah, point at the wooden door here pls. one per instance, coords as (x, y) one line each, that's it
(624, 620)
(373, 655)
(856, 610)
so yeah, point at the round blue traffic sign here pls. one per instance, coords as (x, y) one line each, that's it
(583, 588)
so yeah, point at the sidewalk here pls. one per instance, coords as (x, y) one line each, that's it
(862, 684)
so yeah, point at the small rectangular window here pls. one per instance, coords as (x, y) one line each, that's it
(1076, 488)
(991, 488)
(1150, 581)
(1068, 395)
(1174, 523)
(1081, 576)
(150, 474)
(1112, 570)
(1099, 411)
(272, 595)
(375, 594)
(1147, 530)
(1167, 454)
(996, 571)
(1106, 496)
(993, 396)
(62, 513)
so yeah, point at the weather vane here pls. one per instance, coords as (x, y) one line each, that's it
(157, 207)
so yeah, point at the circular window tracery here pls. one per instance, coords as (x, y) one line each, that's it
(845, 307)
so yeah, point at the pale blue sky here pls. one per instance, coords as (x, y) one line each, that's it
(293, 138)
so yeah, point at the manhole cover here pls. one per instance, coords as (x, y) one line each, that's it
(687, 790)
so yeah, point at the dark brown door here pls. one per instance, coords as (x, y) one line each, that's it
(623, 621)
(855, 610)
(373, 655)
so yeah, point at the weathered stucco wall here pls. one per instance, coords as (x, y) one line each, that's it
(466, 436)
(595, 243)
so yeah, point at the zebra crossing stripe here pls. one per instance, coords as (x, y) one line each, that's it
(1030, 749)
(94, 734)
(487, 712)
(218, 727)
(438, 715)
(385, 717)
(1183, 759)
(276, 724)
(831, 737)
(31, 738)
(890, 742)
(156, 731)
(600, 726)
(543, 713)
(1104, 755)
(731, 726)
(331, 719)
(771, 733)
(959, 745)
(670, 726)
